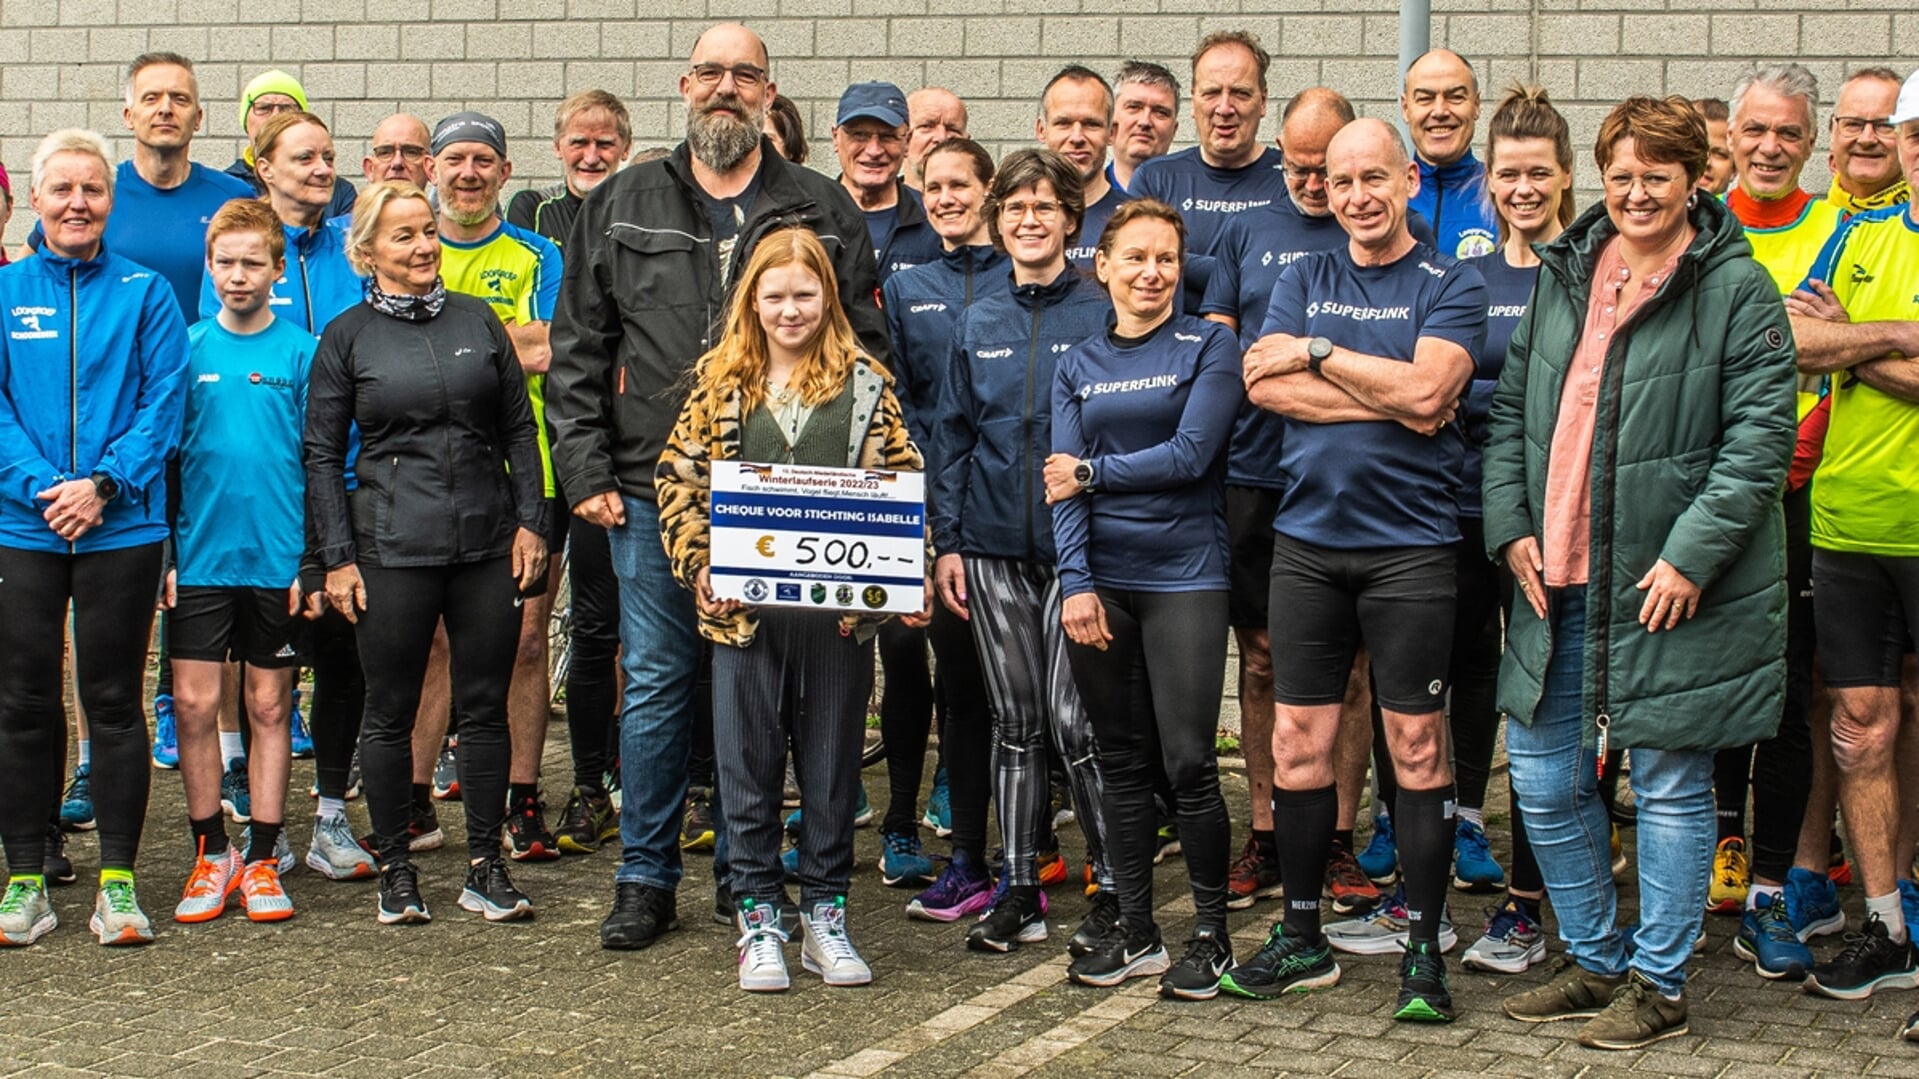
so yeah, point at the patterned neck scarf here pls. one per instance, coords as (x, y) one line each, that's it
(404, 305)
(1896, 195)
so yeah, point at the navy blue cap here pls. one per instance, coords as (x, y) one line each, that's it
(880, 100)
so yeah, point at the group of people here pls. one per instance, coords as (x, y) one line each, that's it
(1436, 447)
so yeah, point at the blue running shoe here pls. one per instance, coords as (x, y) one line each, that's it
(166, 738)
(1812, 902)
(1767, 938)
(1380, 859)
(790, 863)
(939, 806)
(792, 825)
(76, 805)
(1473, 867)
(302, 738)
(963, 888)
(236, 792)
(901, 862)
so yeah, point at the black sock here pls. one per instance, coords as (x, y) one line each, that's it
(210, 835)
(519, 793)
(422, 798)
(1424, 825)
(261, 839)
(1732, 822)
(1303, 850)
(1343, 840)
(1530, 906)
(1267, 846)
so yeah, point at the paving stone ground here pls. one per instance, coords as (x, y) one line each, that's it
(333, 993)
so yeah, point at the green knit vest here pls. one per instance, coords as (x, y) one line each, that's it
(822, 442)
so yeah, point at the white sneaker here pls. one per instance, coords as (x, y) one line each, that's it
(117, 917)
(26, 915)
(828, 951)
(1383, 932)
(335, 855)
(762, 950)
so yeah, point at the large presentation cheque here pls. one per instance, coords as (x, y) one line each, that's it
(837, 539)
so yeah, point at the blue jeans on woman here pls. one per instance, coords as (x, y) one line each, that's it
(1554, 774)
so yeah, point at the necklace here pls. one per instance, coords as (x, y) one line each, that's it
(778, 394)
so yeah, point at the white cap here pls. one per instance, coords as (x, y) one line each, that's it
(1908, 106)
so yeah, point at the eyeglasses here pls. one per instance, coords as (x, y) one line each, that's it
(273, 108)
(1854, 126)
(1300, 175)
(413, 154)
(1654, 184)
(1041, 211)
(884, 136)
(745, 76)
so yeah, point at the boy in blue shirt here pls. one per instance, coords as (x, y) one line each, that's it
(236, 540)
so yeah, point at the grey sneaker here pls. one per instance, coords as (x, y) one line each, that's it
(1571, 992)
(1637, 1017)
(25, 913)
(117, 917)
(282, 848)
(827, 950)
(334, 855)
(1383, 932)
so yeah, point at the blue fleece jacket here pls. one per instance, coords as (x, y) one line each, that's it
(91, 369)
(922, 305)
(319, 282)
(1453, 197)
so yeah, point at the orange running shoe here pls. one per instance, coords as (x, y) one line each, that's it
(209, 886)
(1052, 869)
(266, 900)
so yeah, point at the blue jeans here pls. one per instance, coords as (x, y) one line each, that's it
(660, 656)
(1554, 776)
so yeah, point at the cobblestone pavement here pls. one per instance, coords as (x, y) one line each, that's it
(331, 992)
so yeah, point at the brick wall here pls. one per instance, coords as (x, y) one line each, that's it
(62, 61)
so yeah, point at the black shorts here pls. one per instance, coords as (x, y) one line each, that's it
(246, 625)
(1397, 600)
(1249, 553)
(1865, 608)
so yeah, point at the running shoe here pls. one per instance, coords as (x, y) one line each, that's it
(210, 885)
(76, 805)
(588, 821)
(1353, 892)
(1018, 916)
(1812, 901)
(1060, 806)
(1101, 921)
(790, 865)
(117, 918)
(1637, 1016)
(1385, 930)
(166, 736)
(334, 855)
(696, 827)
(297, 726)
(1167, 843)
(236, 793)
(1571, 992)
(55, 864)
(400, 902)
(641, 914)
(1767, 939)
(354, 780)
(762, 950)
(1731, 878)
(939, 806)
(282, 849)
(1424, 996)
(526, 838)
(446, 772)
(963, 888)
(1284, 964)
(1380, 859)
(790, 789)
(862, 809)
(1474, 869)
(490, 893)
(1052, 868)
(1119, 957)
(1251, 878)
(26, 914)
(827, 951)
(1512, 942)
(1871, 960)
(901, 863)
(1910, 1032)
(792, 826)
(1209, 955)
(262, 895)
(422, 833)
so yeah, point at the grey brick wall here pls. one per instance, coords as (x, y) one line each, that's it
(61, 61)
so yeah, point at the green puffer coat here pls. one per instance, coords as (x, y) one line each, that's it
(1693, 437)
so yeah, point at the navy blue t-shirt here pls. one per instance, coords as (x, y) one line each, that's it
(1153, 418)
(1208, 198)
(1509, 289)
(1081, 253)
(1375, 483)
(879, 225)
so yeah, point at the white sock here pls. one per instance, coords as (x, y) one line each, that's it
(1476, 816)
(1752, 896)
(86, 752)
(331, 807)
(231, 747)
(1886, 908)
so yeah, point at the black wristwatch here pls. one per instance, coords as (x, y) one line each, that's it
(1083, 475)
(1316, 352)
(104, 488)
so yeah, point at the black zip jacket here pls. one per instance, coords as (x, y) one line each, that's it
(643, 297)
(443, 415)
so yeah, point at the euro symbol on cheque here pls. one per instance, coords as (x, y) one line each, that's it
(764, 545)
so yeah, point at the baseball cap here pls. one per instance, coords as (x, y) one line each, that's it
(469, 127)
(271, 82)
(880, 100)
(1908, 106)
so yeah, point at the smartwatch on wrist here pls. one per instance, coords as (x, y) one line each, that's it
(104, 488)
(1316, 352)
(1083, 475)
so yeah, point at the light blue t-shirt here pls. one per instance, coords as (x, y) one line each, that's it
(242, 481)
